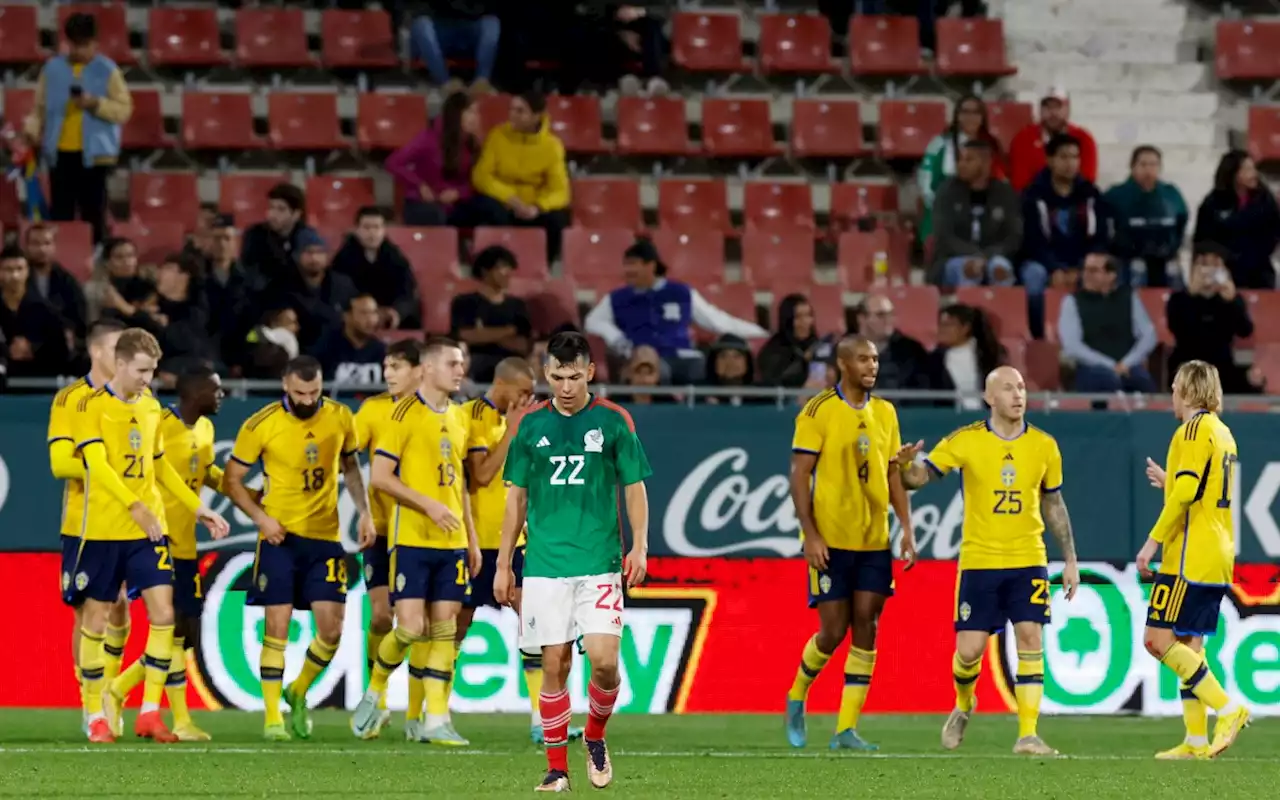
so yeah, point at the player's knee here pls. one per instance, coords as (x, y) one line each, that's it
(604, 671)
(329, 631)
(380, 620)
(864, 633)
(1157, 643)
(161, 616)
(118, 614)
(829, 638)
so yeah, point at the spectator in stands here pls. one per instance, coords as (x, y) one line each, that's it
(200, 239)
(53, 283)
(632, 36)
(381, 270)
(318, 294)
(81, 102)
(941, 158)
(434, 168)
(521, 174)
(732, 365)
(904, 363)
(1241, 214)
(788, 358)
(655, 311)
(643, 369)
(1207, 317)
(271, 344)
(1149, 219)
(353, 353)
(978, 223)
(1105, 330)
(34, 337)
(494, 324)
(117, 288)
(1028, 153)
(270, 247)
(227, 287)
(183, 317)
(463, 29)
(967, 352)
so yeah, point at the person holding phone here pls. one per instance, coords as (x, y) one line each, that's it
(1207, 317)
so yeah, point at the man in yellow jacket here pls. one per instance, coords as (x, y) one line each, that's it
(521, 176)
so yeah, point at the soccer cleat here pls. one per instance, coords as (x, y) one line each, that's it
(556, 781)
(1226, 729)
(276, 733)
(599, 767)
(190, 733)
(412, 730)
(1184, 752)
(299, 715)
(444, 735)
(100, 731)
(113, 710)
(953, 729)
(1033, 746)
(366, 719)
(850, 740)
(796, 734)
(151, 726)
(384, 716)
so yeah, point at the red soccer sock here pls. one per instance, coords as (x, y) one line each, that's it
(601, 709)
(556, 713)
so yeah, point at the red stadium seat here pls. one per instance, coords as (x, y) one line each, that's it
(494, 109)
(387, 121)
(1052, 309)
(529, 245)
(1005, 306)
(776, 260)
(218, 121)
(916, 312)
(856, 200)
(794, 43)
(1043, 369)
(593, 256)
(1264, 309)
(1015, 355)
(826, 129)
(74, 242)
(357, 40)
(552, 304)
(271, 38)
(184, 37)
(607, 203)
(1247, 49)
(737, 128)
(145, 128)
(654, 126)
(855, 257)
(164, 197)
(885, 45)
(432, 252)
(18, 105)
(244, 196)
(334, 201)
(304, 121)
(694, 204)
(437, 306)
(20, 35)
(707, 42)
(827, 302)
(695, 256)
(972, 47)
(907, 127)
(113, 29)
(1006, 117)
(576, 120)
(1156, 303)
(773, 206)
(155, 241)
(738, 299)
(1264, 133)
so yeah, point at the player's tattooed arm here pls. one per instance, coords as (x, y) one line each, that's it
(1053, 507)
(355, 483)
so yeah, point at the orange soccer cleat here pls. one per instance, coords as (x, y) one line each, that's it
(151, 726)
(100, 731)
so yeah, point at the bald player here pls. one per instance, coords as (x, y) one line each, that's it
(1012, 492)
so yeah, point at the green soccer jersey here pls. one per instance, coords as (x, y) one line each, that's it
(572, 468)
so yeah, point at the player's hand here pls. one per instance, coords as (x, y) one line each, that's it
(517, 410)
(909, 554)
(147, 521)
(475, 561)
(1070, 579)
(365, 531)
(816, 553)
(504, 582)
(1144, 557)
(445, 519)
(905, 457)
(214, 522)
(271, 530)
(635, 567)
(1155, 474)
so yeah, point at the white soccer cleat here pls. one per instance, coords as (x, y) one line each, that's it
(599, 767)
(1033, 746)
(953, 729)
(413, 730)
(365, 720)
(555, 781)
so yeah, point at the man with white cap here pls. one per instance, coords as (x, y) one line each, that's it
(1026, 153)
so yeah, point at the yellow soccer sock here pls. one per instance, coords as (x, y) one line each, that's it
(1190, 666)
(113, 652)
(271, 673)
(858, 666)
(128, 680)
(1028, 690)
(319, 654)
(372, 640)
(1196, 717)
(390, 655)
(812, 660)
(533, 680)
(439, 670)
(155, 660)
(175, 685)
(417, 676)
(79, 680)
(965, 674)
(91, 671)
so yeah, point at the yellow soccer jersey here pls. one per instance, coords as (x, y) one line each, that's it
(851, 479)
(301, 463)
(61, 419)
(372, 422)
(429, 446)
(130, 432)
(189, 450)
(488, 503)
(1202, 547)
(1003, 480)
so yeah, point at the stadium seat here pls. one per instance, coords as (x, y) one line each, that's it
(1043, 369)
(74, 246)
(18, 104)
(401, 335)
(907, 127)
(770, 206)
(1015, 355)
(272, 38)
(433, 253)
(113, 29)
(738, 299)
(972, 47)
(1264, 309)
(826, 129)
(552, 304)
(145, 128)
(775, 260)
(593, 256)
(1247, 49)
(916, 312)
(694, 204)
(304, 121)
(1156, 303)
(357, 40)
(854, 200)
(794, 43)
(654, 126)
(334, 201)
(707, 42)
(386, 121)
(529, 245)
(855, 257)
(607, 203)
(737, 128)
(576, 120)
(155, 240)
(184, 37)
(20, 35)
(828, 307)
(218, 121)
(695, 256)
(1005, 306)
(494, 109)
(164, 197)
(437, 306)
(1006, 117)
(1264, 133)
(885, 46)
(244, 195)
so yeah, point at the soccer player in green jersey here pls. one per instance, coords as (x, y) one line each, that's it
(569, 458)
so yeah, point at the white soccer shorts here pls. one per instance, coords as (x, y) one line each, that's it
(557, 610)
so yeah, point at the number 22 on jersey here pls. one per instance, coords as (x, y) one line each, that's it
(570, 464)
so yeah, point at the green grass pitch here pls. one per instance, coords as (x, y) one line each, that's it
(42, 755)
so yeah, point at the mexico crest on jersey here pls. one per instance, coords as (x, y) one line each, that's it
(593, 442)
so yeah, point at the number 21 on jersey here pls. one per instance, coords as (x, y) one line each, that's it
(567, 470)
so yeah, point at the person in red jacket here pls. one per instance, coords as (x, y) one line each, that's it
(1026, 153)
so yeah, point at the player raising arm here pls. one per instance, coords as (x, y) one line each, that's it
(566, 465)
(1197, 534)
(1012, 493)
(842, 488)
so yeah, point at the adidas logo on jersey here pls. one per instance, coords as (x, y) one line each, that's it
(543, 442)
(310, 435)
(1008, 456)
(862, 426)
